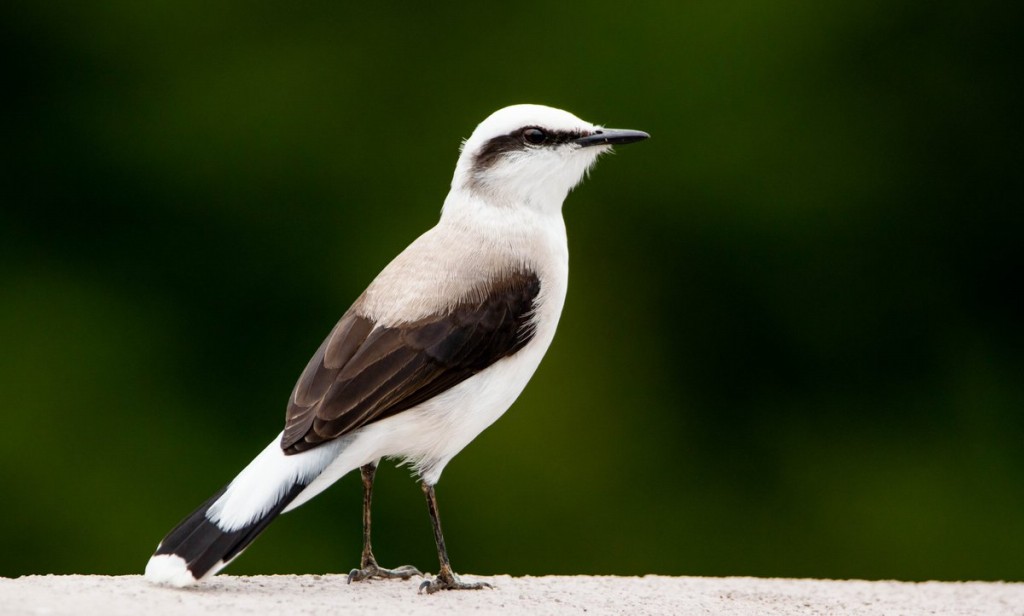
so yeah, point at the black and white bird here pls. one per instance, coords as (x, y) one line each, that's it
(438, 347)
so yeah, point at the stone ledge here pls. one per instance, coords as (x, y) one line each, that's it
(54, 595)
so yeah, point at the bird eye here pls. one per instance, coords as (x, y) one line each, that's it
(534, 136)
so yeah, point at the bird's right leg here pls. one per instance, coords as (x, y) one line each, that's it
(368, 567)
(446, 578)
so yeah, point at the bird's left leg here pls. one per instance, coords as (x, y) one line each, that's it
(368, 567)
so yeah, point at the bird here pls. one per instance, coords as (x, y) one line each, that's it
(437, 348)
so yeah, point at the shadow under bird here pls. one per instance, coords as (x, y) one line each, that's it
(438, 347)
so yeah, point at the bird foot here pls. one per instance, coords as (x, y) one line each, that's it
(450, 581)
(372, 570)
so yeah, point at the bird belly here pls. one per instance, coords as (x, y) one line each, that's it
(429, 435)
(440, 428)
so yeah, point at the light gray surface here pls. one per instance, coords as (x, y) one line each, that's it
(329, 594)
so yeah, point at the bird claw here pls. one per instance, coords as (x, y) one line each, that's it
(372, 570)
(450, 582)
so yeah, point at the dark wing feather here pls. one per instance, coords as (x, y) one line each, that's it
(321, 373)
(362, 374)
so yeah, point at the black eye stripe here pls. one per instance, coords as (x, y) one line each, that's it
(555, 137)
(515, 141)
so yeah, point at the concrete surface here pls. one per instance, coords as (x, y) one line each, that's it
(329, 594)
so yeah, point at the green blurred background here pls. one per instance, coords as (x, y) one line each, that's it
(818, 371)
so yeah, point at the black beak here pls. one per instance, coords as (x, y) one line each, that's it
(611, 136)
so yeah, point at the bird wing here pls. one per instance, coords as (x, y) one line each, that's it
(364, 372)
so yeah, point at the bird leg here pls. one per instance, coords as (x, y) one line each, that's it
(368, 567)
(446, 578)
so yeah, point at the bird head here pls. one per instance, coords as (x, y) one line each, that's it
(532, 155)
